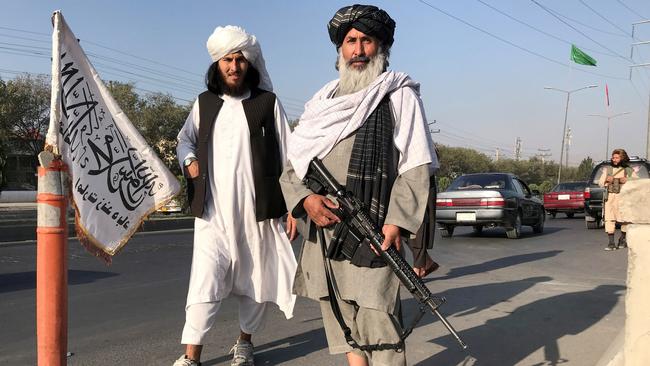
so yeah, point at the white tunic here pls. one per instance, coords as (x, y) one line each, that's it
(233, 253)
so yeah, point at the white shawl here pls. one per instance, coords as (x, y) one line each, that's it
(326, 121)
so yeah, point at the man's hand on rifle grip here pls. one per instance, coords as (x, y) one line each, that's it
(318, 210)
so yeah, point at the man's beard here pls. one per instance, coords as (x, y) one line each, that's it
(352, 79)
(235, 91)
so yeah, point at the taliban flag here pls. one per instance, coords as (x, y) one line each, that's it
(116, 179)
(581, 58)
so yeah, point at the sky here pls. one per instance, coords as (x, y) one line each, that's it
(482, 65)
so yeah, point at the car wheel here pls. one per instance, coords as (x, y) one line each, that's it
(539, 226)
(552, 213)
(570, 215)
(446, 231)
(515, 231)
(592, 224)
(478, 229)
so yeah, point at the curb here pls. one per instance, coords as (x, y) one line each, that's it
(27, 230)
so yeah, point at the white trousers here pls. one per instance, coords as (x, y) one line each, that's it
(200, 317)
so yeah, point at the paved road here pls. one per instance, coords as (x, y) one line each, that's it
(540, 300)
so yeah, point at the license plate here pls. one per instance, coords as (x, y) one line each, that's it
(465, 216)
(564, 197)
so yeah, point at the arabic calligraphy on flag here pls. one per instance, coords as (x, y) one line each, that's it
(116, 178)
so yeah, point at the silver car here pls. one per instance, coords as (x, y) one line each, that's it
(489, 200)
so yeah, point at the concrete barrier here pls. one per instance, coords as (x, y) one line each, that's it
(634, 206)
(17, 196)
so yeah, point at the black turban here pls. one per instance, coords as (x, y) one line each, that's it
(367, 19)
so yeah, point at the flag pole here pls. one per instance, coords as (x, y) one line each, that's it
(52, 262)
(52, 233)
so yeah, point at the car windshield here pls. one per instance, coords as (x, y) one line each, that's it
(479, 181)
(639, 169)
(570, 186)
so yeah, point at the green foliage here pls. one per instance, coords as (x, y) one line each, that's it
(456, 161)
(24, 117)
(585, 168)
(156, 116)
(25, 112)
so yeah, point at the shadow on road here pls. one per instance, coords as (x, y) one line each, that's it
(27, 280)
(510, 339)
(293, 348)
(473, 299)
(496, 264)
(500, 233)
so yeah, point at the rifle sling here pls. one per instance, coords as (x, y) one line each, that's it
(334, 297)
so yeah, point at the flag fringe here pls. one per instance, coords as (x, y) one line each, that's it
(93, 246)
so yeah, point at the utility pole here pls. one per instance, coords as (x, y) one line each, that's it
(609, 125)
(568, 143)
(518, 148)
(543, 154)
(566, 113)
(433, 130)
(647, 141)
(497, 154)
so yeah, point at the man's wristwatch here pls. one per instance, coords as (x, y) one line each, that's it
(188, 161)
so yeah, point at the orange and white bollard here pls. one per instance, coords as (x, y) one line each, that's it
(52, 262)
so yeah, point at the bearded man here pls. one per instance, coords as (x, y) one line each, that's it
(369, 129)
(232, 149)
(613, 178)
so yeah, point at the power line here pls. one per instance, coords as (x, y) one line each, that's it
(638, 93)
(482, 138)
(19, 72)
(514, 44)
(24, 38)
(631, 10)
(540, 30)
(585, 25)
(465, 138)
(143, 58)
(604, 18)
(579, 31)
(109, 48)
(92, 55)
(25, 31)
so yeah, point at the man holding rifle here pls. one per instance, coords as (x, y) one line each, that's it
(369, 129)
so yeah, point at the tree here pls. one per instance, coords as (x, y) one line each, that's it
(24, 112)
(156, 116)
(126, 97)
(456, 161)
(585, 168)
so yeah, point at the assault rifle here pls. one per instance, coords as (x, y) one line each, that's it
(351, 211)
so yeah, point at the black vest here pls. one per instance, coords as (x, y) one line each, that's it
(265, 149)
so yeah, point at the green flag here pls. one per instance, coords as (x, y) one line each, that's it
(581, 58)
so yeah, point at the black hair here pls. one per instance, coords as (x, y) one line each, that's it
(214, 81)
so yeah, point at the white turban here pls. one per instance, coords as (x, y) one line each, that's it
(231, 39)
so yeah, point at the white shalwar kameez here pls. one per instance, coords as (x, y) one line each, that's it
(233, 253)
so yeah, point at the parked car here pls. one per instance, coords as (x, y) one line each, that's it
(567, 198)
(489, 200)
(594, 194)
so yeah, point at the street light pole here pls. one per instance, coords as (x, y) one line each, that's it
(566, 114)
(609, 125)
